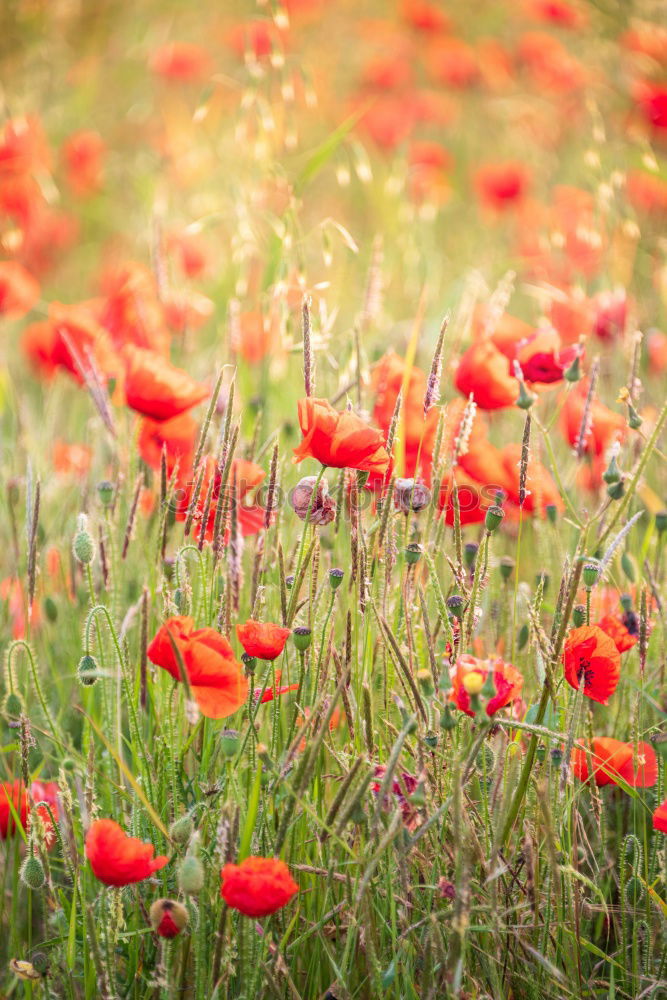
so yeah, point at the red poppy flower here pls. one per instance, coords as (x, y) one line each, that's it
(651, 100)
(605, 424)
(18, 290)
(117, 859)
(177, 436)
(156, 388)
(76, 338)
(542, 491)
(24, 148)
(422, 15)
(263, 640)
(214, 675)
(71, 459)
(254, 336)
(14, 793)
(83, 153)
(500, 186)
(246, 475)
(616, 630)
(483, 372)
(274, 692)
(183, 61)
(256, 37)
(453, 62)
(340, 440)
(131, 310)
(660, 818)
(558, 12)
(613, 759)
(257, 886)
(590, 654)
(647, 193)
(656, 344)
(507, 682)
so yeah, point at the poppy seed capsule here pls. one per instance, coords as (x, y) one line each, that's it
(494, 518)
(87, 670)
(573, 372)
(525, 399)
(552, 512)
(335, 578)
(470, 551)
(578, 615)
(456, 605)
(506, 567)
(229, 742)
(413, 553)
(591, 573)
(32, 872)
(616, 490)
(319, 510)
(410, 495)
(302, 638)
(168, 917)
(106, 492)
(191, 875)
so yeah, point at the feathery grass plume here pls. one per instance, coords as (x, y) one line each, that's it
(94, 383)
(462, 440)
(367, 704)
(616, 541)
(523, 465)
(339, 798)
(143, 655)
(643, 630)
(208, 500)
(586, 416)
(235, 547)
(222, 509)
(104, 566)
(308, 354)
(203, 434)
(129, 527)
(344, 696)
(432, 395)
(385, 513)
(271, 490)
(33, 523)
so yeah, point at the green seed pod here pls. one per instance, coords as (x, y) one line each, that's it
(68, 764)
(335, 578)
(448, 720)
(83, 545)
(413, 553)
(591, 574)
(552, 513)
(229, 743)
(456, 605)
(541, 753)
(626, 602)
(13, 705)
(661, 521)
(32, 872)
(50, 609)
(573, 372)
(106, 492)
(616, 490)
(578, 615)
(191, 875)
(506, 567)
(302, 638)
(87, 670)
(634, 420)
(612, 473)
(494, 518)
(431, 739)
(181, 829)
(470, 550)
(525, 399)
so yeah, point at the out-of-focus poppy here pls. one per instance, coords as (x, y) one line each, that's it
(19, 291)
(176, 436)
(507, 682)
(190, 252)
(185, 62)
(483, 373)
(646, 193)
(258, 38)
(274, 692)
(244, 477)
(617, 630)
(429, 164)
(156, 388)
(14, 793)
(131, 310)
(340, 440)
(117, 859)
(660, 817)
(646, 39)
(651, 100)
(656, 346)
(542, 491)
(557, 12)
(12, 591)
(613, 759)
(187, 310)
(214, 675)
(591, 656)
(551, 67)
(24, 148)
(79, 339)
(254, 335)
(422, 15)
(263, 640)
(71, 459)
(453, 62)
(500, 186)
(83, 153)
(14, 802)
(605, 425)
(610, 314)
(257, 887)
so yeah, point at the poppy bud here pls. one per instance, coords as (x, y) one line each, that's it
(573, 372)
(591, 574)
(413, 553)
(229, 743)
(456, 604)
(661, 521)
(302, 638)
(634, 420)
(87, 670)
(50, 609)
(106, 492)
(32, 872)
(506, 567)
(626, 602)
(40, 962)
(168, 917)
(181, 600)
(578, 615)
(181, 829)
(431, 739)
(335, 578)
(494, 517)
(525, 399)
(191, 875)
(83, 545)
(447, 719)
(616, 490)
(13, 705)
(425, 679)
(410, 495)
(612, 473)
(552, 512)
(24, 970)
(470, 553)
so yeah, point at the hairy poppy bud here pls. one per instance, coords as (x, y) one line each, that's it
(447, 718)
(229, 743)
(32, 872)
(13, 705)
(302, 638)
(181, 829)
(191, 875)
(335, 578)
(50, 609)
(320, 509)
(410, 495)
(168, 917)
(425, 679)
(87, 670)
(494, 517)
(83, 545)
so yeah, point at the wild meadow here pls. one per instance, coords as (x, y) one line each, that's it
(333, 532)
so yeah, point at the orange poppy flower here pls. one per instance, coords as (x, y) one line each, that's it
(656, 345)
(484, 373)
(605, 424)
(542, 490)
(590, 654)
(255, 336)
(263, 640)
(117, 859)
(245, 475)
(340, 440)
(14, 793)
(131, 310)
(83, 153)
(257, 887)
(71, 459)
(177, 436)
(23, 147)
(660, 817)
(19, 291)
(78, 336)
(214, 675)
(12, 591)
(453, 62)
(616, 630)
(185, 62)
(274, 692)
(507, 682)
(500, 186)
(156, 388)
(422, 15)
(613, 759)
